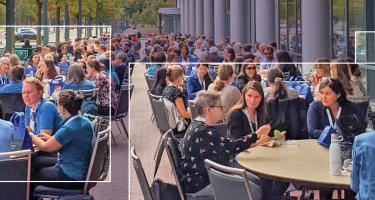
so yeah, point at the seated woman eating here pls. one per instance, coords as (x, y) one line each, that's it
(73, 142)
(202, 142)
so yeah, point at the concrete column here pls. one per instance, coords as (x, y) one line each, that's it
(186, 16)
(198, 17)
(219, 20)
(238, 22)
(208, 19)
(192, 17)
(315, 28)
(265, 20)
(181, 5)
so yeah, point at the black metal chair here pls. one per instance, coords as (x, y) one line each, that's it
(95, 171)
(10, 103)
(15, 166)
(161, 115)
(142, 179)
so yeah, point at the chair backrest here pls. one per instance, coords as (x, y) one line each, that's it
(160, 152)
(10, 103)
(100, 152)
(221, 129)
(142, 179)
(15, 166)
(193, 109)
(174, 156)
(150, 81)
(160, 112)
(231, 183)
(363, 106)
(123, 103)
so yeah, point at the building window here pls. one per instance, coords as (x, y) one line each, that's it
(290, 34)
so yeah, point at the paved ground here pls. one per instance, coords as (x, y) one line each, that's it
(144, 136)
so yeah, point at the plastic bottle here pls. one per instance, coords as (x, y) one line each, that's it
(335, 156)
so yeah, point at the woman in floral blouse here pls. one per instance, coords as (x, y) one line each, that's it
(200, 143)
(103, 84)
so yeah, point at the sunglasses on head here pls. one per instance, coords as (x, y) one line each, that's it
(325, 80)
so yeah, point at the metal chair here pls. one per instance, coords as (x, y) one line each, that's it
(231, 183)
(142, 179)
(98, 158)
(10, 103)
(149, 80)
(15, 166)
(122, 107)
(161, 115)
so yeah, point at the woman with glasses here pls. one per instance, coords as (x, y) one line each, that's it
(202, 142)
(73, 142)
(230, 95)
(248, 73)
(333, 103)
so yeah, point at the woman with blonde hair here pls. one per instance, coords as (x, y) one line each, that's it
(277, 90)
(230, 94)
(321, 69)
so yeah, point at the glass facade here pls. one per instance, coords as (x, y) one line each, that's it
(290, 34)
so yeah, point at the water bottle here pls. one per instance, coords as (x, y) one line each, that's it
(335, 156)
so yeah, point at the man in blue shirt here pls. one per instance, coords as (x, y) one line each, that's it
(41, 116)
(15, 86)
(363, 173)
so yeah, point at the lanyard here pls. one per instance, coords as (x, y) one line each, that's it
(333, 124)
(203, 83)
(250, 123)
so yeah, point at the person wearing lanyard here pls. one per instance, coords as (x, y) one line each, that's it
(73, 142)
(4, 70)
(41, 116)
(332, 104)
(198, 81)
(249, 117)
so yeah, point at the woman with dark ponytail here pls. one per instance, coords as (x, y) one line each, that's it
(230, 95)
(73, 142)
(277, 90)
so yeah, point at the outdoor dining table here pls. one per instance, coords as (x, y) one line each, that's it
(303, 162)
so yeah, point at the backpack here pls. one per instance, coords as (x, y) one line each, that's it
(21, 137)
(164, 191)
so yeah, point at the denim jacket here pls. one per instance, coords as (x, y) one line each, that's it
(363, 174)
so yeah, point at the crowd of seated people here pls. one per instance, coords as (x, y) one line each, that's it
(239, 94)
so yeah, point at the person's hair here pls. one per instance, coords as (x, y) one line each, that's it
(158, 56)
(121, 56)
(174, 72)
(354, 67)
(160, 81)
(70, 100)
(224, 73)
(35, 81)
(340, 72)
(187, 49)
(266, 47)
(324, 66)
(238, 63)
(31, 58)
(171, 56)
(95, 64)
(206, 99)
(232, 53)
(336, 86)
(51, 72)
(247, 48)
(261, 109)
(274, 45)
(275, 76)
(38, 48)
(16, 73)
(2, 59)
(14, 60)
(284, 57)
(105, 62)
(76, 73)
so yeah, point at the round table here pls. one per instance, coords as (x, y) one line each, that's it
(305, 162)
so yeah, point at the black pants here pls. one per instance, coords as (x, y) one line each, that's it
(273, 190)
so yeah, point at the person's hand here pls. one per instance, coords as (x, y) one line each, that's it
(282, 135)
(44, 136)
(39, 73)
(263, 130)
(263, 140)
(31, 134)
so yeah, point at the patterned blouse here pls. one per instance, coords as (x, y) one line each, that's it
(200, 143)
(103, 83)
(172, 92)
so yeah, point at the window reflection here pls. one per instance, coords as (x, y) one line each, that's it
(339, 24)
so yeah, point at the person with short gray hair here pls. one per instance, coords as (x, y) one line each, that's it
(202, 141)
(76, 79)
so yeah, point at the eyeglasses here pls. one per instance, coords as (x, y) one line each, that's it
(251, 68)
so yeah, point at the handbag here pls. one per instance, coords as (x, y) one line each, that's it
(325, 136)
(348, 127)
(164, 191)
